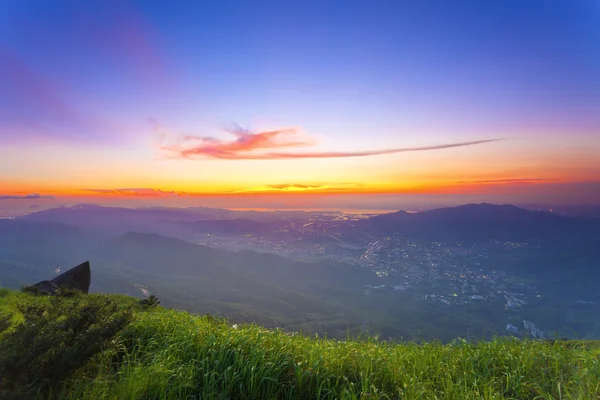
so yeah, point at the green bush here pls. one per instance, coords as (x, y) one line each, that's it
(150, 301)
(55, 337)
(31, 290)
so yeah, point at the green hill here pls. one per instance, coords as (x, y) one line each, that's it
(114, 347)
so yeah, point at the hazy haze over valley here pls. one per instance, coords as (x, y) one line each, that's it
(472, 270)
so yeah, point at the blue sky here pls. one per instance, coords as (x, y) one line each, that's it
(117, 80)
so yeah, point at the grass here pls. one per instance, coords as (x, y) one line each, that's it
(169, 354)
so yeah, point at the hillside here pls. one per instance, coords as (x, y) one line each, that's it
(152, 352)
(29, 251)
(244, 286)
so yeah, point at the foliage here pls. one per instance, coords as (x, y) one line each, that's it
(176, 355)
(65, 291)
(51, 337)
(168, 354)
(31, 290)
(150, 301)
(62, 291)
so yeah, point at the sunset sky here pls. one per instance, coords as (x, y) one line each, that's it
(291, 103)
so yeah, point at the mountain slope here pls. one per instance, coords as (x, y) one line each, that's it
(244, 285)
(29, 252)
(150, 253)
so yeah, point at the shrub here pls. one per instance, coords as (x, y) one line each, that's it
(30, 289)
(64, 291)
(55, 338)
(150, 301)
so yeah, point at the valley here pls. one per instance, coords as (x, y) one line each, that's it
(328, 273)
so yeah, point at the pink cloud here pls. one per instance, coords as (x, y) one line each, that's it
(247, 142)
(189, 146)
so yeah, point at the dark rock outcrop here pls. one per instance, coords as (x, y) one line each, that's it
(44, 287)
(77, 278)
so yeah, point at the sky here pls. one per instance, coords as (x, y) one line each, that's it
(314, 103)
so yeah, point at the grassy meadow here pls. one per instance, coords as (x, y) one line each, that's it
(113, 347)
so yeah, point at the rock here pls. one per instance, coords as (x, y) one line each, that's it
(78, 278)
(45, 287)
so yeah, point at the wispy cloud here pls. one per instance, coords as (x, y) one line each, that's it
(285, 186)
(32, 196)
(507, 181)
(299, 188)
(246, 144)
(138, 192)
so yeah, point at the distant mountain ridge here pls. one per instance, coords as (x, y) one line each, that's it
(122, 218)
(169, 221)
(480, 222)
(466, 222)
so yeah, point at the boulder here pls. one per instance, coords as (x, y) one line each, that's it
(45, 287)
(78, 278)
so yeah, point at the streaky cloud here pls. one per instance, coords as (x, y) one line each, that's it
(369, 153)
(140, 192)
(507, 181)
(301, 188)
(284, 186)
(246, 142)
(32, 196)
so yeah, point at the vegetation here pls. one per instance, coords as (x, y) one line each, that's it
(113, 347)
(150, 301)
(44, 339)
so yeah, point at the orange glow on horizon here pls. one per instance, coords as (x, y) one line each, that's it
(445, 187)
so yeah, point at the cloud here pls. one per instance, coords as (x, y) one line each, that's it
(284, 186)
(190, 146)
(247, 142)
(507, 181)
(140, 192)
(26, 197)
(299, 188)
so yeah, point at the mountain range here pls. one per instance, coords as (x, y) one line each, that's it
(467, 222)
(482, 222)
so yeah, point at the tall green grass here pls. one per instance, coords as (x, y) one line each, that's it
(168, 354)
